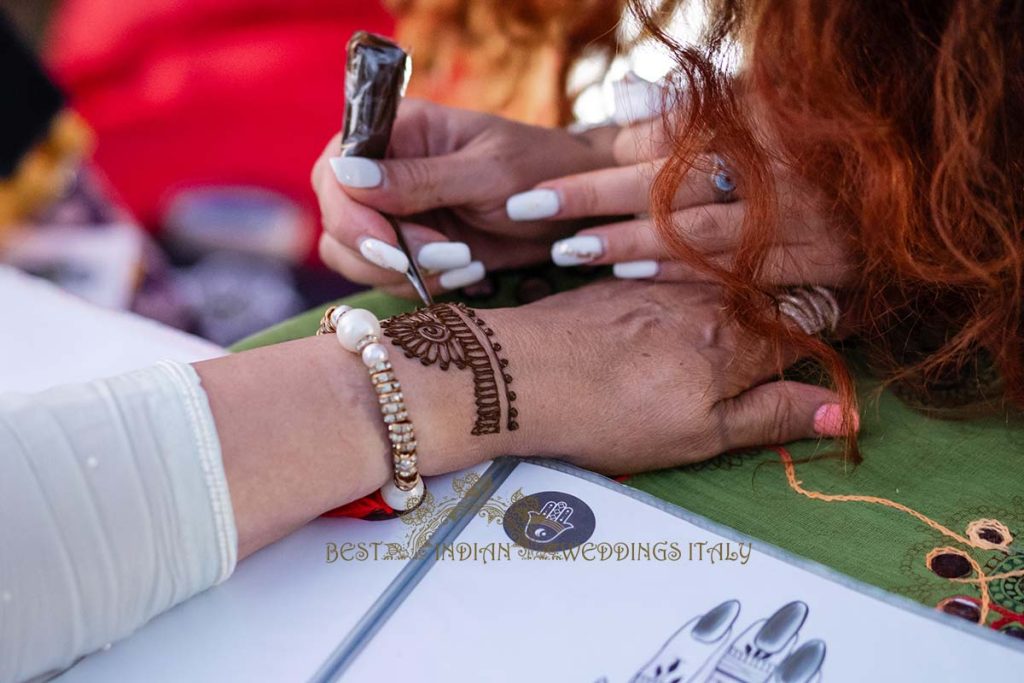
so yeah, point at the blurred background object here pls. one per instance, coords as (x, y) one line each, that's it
(508, 57)
(208, 114)
(39, 141)
(187, 94)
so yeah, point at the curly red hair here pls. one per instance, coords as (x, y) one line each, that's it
(909, 117)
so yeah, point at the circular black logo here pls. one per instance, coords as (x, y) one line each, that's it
(550, 521)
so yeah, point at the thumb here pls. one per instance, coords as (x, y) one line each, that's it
(413, 185)
(783, 411)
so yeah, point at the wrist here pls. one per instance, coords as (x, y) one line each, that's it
(541, 395)
(465, 378)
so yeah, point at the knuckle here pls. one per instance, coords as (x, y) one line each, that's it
(779, 418)
(332, 225)
(314, 174)
(414, 177)
(713, 440)
(584, 199)
(700, 228)
(325, 251)
(627, 244)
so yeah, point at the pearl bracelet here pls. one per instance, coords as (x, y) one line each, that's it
(358, 331)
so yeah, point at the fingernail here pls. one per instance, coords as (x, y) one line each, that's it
(356, 171)
(803, 665)
(529, 206)
(780, 628)
(635, 270)
(574, 251)
(460, 277)
(444, 255)
(383, 254)
(716, 623)
(829, 420)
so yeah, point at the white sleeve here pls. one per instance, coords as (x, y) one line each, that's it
(113, 507)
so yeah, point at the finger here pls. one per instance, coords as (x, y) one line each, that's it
(780, 412)
(642, 141)
(433, 250)
(784, 266)
(823, 263)
(448, 281)
(345, 219)
(710, 229)
(502, 254)
(414, 185)
(353, 266)
(613, 191)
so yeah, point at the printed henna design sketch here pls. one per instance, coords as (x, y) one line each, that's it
(765, 652)
(453, 334)
(693, 648)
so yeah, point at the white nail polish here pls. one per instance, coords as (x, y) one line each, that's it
(356, 171)
(444, 255)
(383, 255)
(532, 205)
(460, 277)
(574, 251)
(635, 270)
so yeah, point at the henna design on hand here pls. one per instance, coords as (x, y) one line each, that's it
(452, 334)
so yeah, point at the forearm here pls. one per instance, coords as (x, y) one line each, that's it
(298, 435)
(301, 432)
(114, 506)
(137, 491)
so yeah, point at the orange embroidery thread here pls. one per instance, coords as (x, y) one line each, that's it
(794, 483)
(981, 580)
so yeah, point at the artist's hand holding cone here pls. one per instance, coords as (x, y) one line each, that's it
(475, 193)
(708, 214)
(447, 178)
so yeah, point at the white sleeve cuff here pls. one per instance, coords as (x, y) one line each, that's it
(114, 507)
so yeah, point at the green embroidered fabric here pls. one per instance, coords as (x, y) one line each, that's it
(951, 471)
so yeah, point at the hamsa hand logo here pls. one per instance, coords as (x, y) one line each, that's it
(549, 523)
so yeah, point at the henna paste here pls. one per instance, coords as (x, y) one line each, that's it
(452, 334)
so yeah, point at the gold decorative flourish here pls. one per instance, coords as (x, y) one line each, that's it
(433, 511)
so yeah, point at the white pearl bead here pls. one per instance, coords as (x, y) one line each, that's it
(354, 325)
(338, 312)
(403, 501)
(373, 354)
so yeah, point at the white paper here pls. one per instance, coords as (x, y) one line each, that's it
(565, 620)
(49, 337)
(282, 613)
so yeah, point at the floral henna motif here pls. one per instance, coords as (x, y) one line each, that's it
(452, 334)
(423, 335)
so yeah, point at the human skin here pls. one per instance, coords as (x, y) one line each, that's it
(514, 194)
(616, 377)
